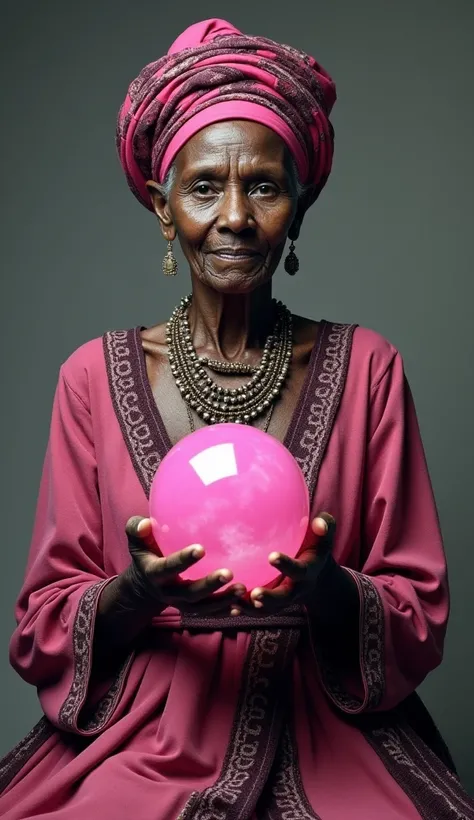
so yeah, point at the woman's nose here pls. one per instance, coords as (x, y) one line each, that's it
(235, 212)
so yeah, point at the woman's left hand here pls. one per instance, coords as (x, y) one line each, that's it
(299, 575)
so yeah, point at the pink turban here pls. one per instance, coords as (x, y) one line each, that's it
(213, 73)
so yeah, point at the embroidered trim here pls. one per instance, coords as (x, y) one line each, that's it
(83, 632)
(291, 617)
(287, 800)
(257, 721)
(130, 400)
(372, 641)
(146, 437)
(255, 732)
(328, 376)
(106, 706)
(433, 789)
(190, 805)
(11, 764)
(372, 653)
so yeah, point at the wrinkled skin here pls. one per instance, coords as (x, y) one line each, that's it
(232, 206)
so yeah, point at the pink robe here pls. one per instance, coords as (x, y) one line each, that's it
(205, 720)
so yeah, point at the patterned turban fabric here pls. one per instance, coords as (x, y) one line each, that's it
(213, 73)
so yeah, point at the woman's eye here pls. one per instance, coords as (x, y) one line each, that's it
(203, 188)
(265, 189)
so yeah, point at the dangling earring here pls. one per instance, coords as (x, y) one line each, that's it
(292, 263)
(170, 265)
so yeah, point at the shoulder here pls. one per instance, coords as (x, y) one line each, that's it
(85, 369)
(375, 372)
(370, 355)
(372, 351)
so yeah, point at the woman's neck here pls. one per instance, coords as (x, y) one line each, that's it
(228, 326)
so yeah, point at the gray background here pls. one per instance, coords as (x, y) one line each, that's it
(389, 245)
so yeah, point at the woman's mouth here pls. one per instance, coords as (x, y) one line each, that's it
(235, 254)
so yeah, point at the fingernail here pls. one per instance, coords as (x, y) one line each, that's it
(197, 552)
(235, 611)
(223, 579)
(239, 592)
(257, 603)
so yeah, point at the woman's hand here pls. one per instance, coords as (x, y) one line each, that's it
(155, 577)
(299, 575)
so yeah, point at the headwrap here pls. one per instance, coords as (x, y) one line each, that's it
(212, 73)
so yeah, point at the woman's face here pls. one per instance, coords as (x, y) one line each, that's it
(232, 204)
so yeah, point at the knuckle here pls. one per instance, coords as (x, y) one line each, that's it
(329, 519)
(173, 564)
(131, 528)
(166, 566)
(190, 593)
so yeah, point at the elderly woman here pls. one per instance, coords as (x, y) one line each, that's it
(168, 699)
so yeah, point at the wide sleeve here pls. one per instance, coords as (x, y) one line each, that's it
(51, 647)
(402, 587)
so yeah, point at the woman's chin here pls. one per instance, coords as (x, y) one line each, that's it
(234, 281)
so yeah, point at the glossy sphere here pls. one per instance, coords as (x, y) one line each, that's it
(236, 491)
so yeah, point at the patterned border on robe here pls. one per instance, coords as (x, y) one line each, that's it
(14, 761)
(310, 428)
(285, 798)
(97, 717)
(143, 431)
(147, 441)
(434, 790)
(307, 438)
(371, 654)
(255, 733)
(94, 719)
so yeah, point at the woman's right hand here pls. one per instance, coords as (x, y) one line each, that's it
(155, 578)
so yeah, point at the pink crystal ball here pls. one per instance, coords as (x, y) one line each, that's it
(239, 493)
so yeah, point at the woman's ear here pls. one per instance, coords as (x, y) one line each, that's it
(162, 210)
(295, 228)
(304, 203)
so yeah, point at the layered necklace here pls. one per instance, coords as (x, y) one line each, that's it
(216, 404)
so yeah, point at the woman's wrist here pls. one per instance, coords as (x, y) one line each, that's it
(134, 594)
(334, 611)
(124, 612)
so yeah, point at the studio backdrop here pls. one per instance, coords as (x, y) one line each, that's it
(389, 245)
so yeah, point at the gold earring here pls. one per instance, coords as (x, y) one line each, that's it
(292, 263)
(170, 265)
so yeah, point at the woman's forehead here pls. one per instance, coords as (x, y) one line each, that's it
(249, 142)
